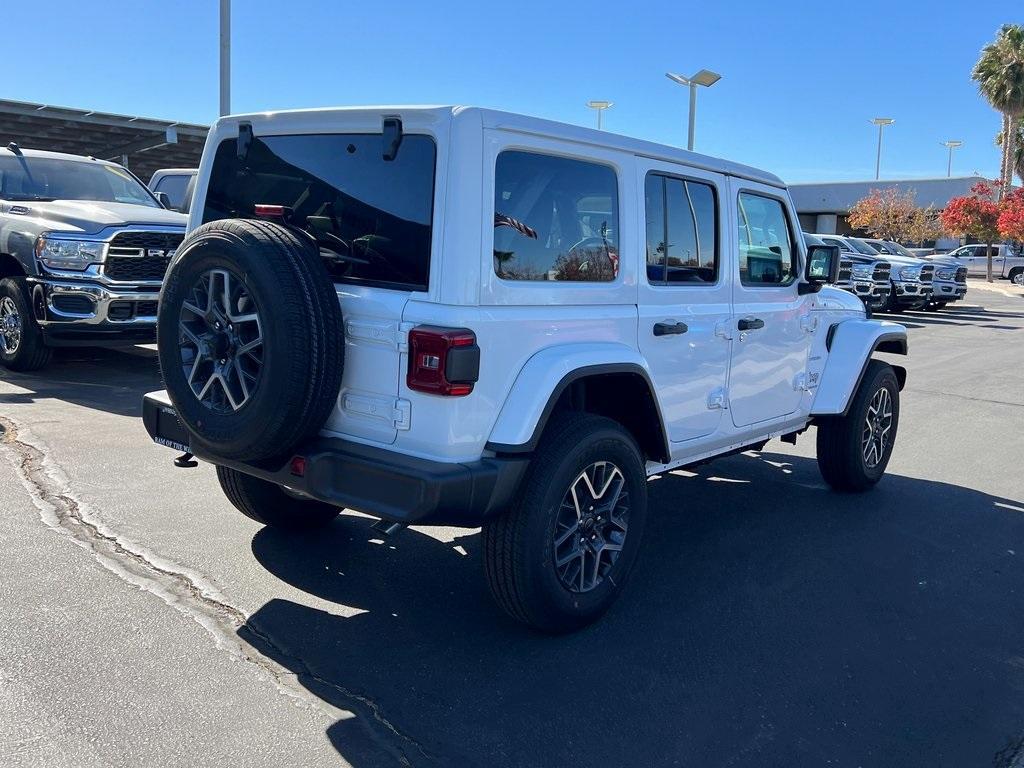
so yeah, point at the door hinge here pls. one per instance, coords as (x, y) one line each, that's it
(403, 336)
(723, 328)
(717, 400)
(809, 323)
(402, 414)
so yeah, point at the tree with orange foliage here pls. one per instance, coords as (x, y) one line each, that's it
(975, 215)
(1011, 216)
(890, 214)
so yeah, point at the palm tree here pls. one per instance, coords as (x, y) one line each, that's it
(1000, 77)
(1018, 155)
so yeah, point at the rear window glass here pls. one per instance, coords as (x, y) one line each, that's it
(555, 219)
(371, 217)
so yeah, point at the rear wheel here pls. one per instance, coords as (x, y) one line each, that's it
(1017, 276)
(21, 339)
(854, 449)
(268, 503)
(561, 555)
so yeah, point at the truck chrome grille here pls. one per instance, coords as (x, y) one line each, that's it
(139, 256)
(845, 272)
(927, 273)
(882, 271)
(961, 275)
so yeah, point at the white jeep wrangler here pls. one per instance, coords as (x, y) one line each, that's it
(458, 316)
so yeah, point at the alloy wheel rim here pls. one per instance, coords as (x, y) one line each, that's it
(220, 341)
(590, 527)
(877, 428)
(10, 326)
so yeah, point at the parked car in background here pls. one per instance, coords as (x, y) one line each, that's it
(866, 277)
(456, 316)
(83, 250)
(911, 277)
(950, 283)
(1007, 261)
(869, 274)
(177, 184)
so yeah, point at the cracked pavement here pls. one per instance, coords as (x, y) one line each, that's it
(769, 621)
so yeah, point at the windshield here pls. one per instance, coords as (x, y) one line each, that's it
(899, 249)
(48, 178)
(371, 217)
(861, 247)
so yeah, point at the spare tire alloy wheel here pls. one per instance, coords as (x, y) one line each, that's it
(221, 343)
(10, 326)
(591, 526)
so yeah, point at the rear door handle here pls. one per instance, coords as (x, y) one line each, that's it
(750, 324)
(669, 329)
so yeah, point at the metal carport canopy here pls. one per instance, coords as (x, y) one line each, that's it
(144, 143)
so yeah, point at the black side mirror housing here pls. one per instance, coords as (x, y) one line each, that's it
(164, 200)
(822, 267)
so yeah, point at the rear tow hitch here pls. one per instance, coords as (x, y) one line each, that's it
(185, 461)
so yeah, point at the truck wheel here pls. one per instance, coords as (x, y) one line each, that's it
(250, 339)
(21, 340)
(892, 305)
(268, 504)
(561, 555)
(854, 449)
(1017, 276)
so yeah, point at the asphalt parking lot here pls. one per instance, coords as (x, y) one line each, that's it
(769, 621)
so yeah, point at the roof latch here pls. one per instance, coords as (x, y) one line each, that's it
(392, 135)
(244, 140)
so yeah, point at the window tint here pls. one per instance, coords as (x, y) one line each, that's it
(682, 243)
(371, 217)
(767, 255)
(555, 219)
(174, 186)
(47, 178)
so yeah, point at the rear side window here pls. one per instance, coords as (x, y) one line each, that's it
(682, 226)
(767, 255)
(555, 219)
(370, 216)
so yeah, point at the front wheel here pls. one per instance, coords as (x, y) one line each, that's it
(1017, 276)
(854, 449)
(268, 504)
(561, 555)
(21, 340)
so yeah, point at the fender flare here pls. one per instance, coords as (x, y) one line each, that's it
(543, 379)
(850, 345)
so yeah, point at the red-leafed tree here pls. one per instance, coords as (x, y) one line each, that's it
(1011, 216)
(975, 215)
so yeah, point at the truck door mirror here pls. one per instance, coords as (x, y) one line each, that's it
(164, 199)
(822, 267)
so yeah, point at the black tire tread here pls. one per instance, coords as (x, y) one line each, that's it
(838, 437)
(32, 353)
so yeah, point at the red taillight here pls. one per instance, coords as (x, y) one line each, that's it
(265, 211)
(443, 361)
(298, 466)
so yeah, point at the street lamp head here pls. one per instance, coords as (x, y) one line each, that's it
(599, 104)
(952, 144)
(883, 121)
(705, 77)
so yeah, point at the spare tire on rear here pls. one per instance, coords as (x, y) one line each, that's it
(250, 338)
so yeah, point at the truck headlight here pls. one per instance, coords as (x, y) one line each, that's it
(910, 273)
(76, 255)
(863, 271)
(945, 274)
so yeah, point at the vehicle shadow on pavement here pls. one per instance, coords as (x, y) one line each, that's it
(769, 621)
(111, 380)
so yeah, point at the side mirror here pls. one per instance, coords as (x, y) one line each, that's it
(822, 267)
(164, 200)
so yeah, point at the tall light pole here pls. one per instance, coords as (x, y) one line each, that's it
(950, 145)
(881, 122)
(225, 57)
(705, 77)
(599, 107)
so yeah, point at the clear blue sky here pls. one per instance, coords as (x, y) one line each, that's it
(800, 79)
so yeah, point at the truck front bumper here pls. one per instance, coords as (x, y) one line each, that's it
(912, 293)
(874, 295)
(384, 483)
(948, 290)
(71, 312)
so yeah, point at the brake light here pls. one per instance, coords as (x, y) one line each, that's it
(443, 361)
(267, 211)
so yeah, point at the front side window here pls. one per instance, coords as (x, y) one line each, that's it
(767, 255)
(682, 243)
(555, 219)
(48, 178)
(371, 217)
(173, 186)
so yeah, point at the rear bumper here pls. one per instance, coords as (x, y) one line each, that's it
(390, 485)
(84, 312)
